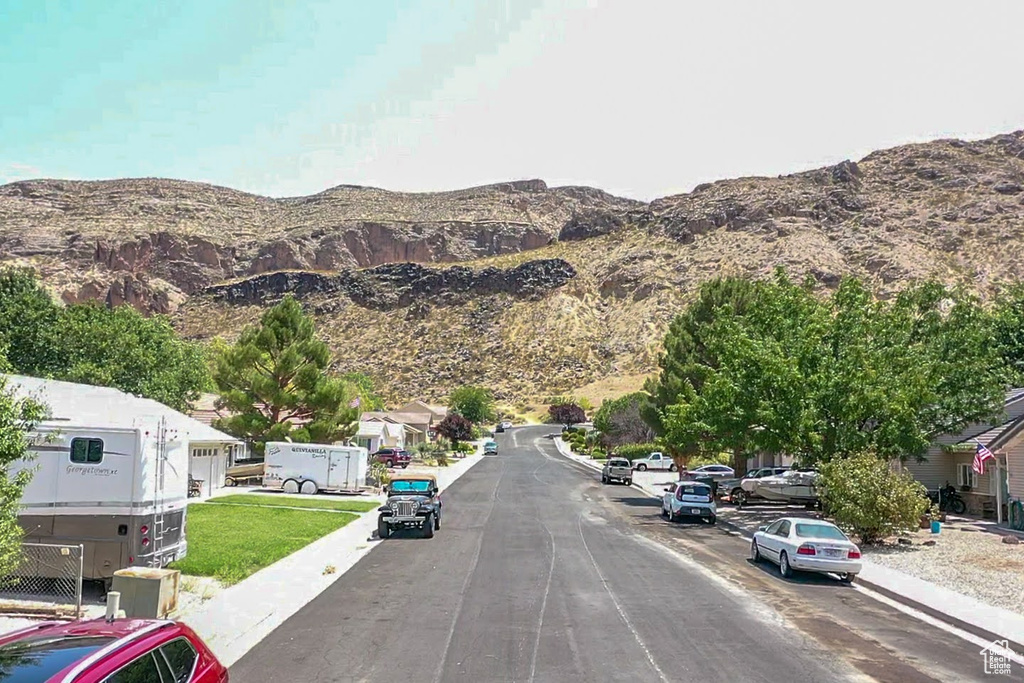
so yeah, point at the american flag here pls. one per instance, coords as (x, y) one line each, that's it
(980, 456)
(354, 403)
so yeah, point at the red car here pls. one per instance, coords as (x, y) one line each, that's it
(101, 651)
(393, 457)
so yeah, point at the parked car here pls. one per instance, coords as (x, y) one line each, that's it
(414, 502)
(617, 469)
(655, 461)
(716, 472)
(490, 448)
(108, 651)
(689, 499)
(813, 545)
(505, 425)
(393, 457)
(733, 487)
(499, 428)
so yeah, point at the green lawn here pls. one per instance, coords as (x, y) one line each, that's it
(230, 542)
(317, 503)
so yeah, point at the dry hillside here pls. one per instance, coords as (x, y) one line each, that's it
(576, 290)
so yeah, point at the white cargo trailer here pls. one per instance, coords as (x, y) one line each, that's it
(312, 467)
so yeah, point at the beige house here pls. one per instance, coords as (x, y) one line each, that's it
(951, 457)
(415, 425)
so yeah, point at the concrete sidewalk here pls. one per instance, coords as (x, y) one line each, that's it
(239, 617)
(970, 615)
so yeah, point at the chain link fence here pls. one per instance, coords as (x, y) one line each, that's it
(49, 577)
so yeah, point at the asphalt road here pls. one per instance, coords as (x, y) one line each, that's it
(540, 573)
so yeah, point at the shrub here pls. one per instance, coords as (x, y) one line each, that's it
(442, 459)
(864, 496)
(464, 447)
(632, 451)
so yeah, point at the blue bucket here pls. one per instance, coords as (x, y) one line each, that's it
(936, 525)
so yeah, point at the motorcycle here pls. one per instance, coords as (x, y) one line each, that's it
(948, 499)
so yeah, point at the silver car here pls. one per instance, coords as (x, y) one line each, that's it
(813, 545)
(689, 499)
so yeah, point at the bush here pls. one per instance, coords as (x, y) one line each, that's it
(864, 496)
(442, 459)
(633, 451)
(570, 430)
(599, 454)
(464, 447)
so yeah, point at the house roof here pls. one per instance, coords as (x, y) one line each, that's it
(85, 405)
(995, 435)
(400, 417)
(420, 406)
(369, 429)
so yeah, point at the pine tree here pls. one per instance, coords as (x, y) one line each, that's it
(275, 381)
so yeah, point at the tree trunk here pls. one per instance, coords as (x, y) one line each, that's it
(739, 462)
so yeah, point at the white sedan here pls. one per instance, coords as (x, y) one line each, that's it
(796, 543)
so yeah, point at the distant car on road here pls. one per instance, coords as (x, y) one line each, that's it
(393, 457)
(717, 472)
(655, 461)
(689, 499)
(490, 448)
(617, 469)
(499, 428)
(102, 651)
(505, 425)
(813, 545)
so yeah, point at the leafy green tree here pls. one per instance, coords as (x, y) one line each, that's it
(121, 348)
(30, 324)
(274, 380)
(17, 418)
(476, 404)
(620, 420)
(866, 497)
(455, 428)
(95, 345)
(1008, 328)
(369, 399)
(687, 360)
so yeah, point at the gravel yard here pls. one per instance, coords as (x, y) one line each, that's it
(965, 559)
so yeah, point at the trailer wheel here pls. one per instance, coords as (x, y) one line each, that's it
(308, 487)
(290, 486)
(229, 481)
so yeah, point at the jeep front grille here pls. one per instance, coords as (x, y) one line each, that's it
(406, 508)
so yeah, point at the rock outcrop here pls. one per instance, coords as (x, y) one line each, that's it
(399, 285)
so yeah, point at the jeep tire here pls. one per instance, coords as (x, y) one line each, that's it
(428, 526)
(383, 529)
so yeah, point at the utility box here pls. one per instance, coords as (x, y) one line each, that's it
(147, 593)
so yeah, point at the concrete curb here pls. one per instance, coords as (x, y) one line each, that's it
(728, 527)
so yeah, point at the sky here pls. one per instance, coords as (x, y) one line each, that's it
(642, 98)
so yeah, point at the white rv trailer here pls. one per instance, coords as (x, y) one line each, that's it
(110, 472)
(312, 467)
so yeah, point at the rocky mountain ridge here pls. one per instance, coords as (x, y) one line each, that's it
(555, 288)
(152, 242)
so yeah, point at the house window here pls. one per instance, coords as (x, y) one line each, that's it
(965, 475)
(203, 452)
(87, 451)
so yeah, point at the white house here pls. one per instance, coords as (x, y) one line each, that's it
(376, 434)
(84, 405)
